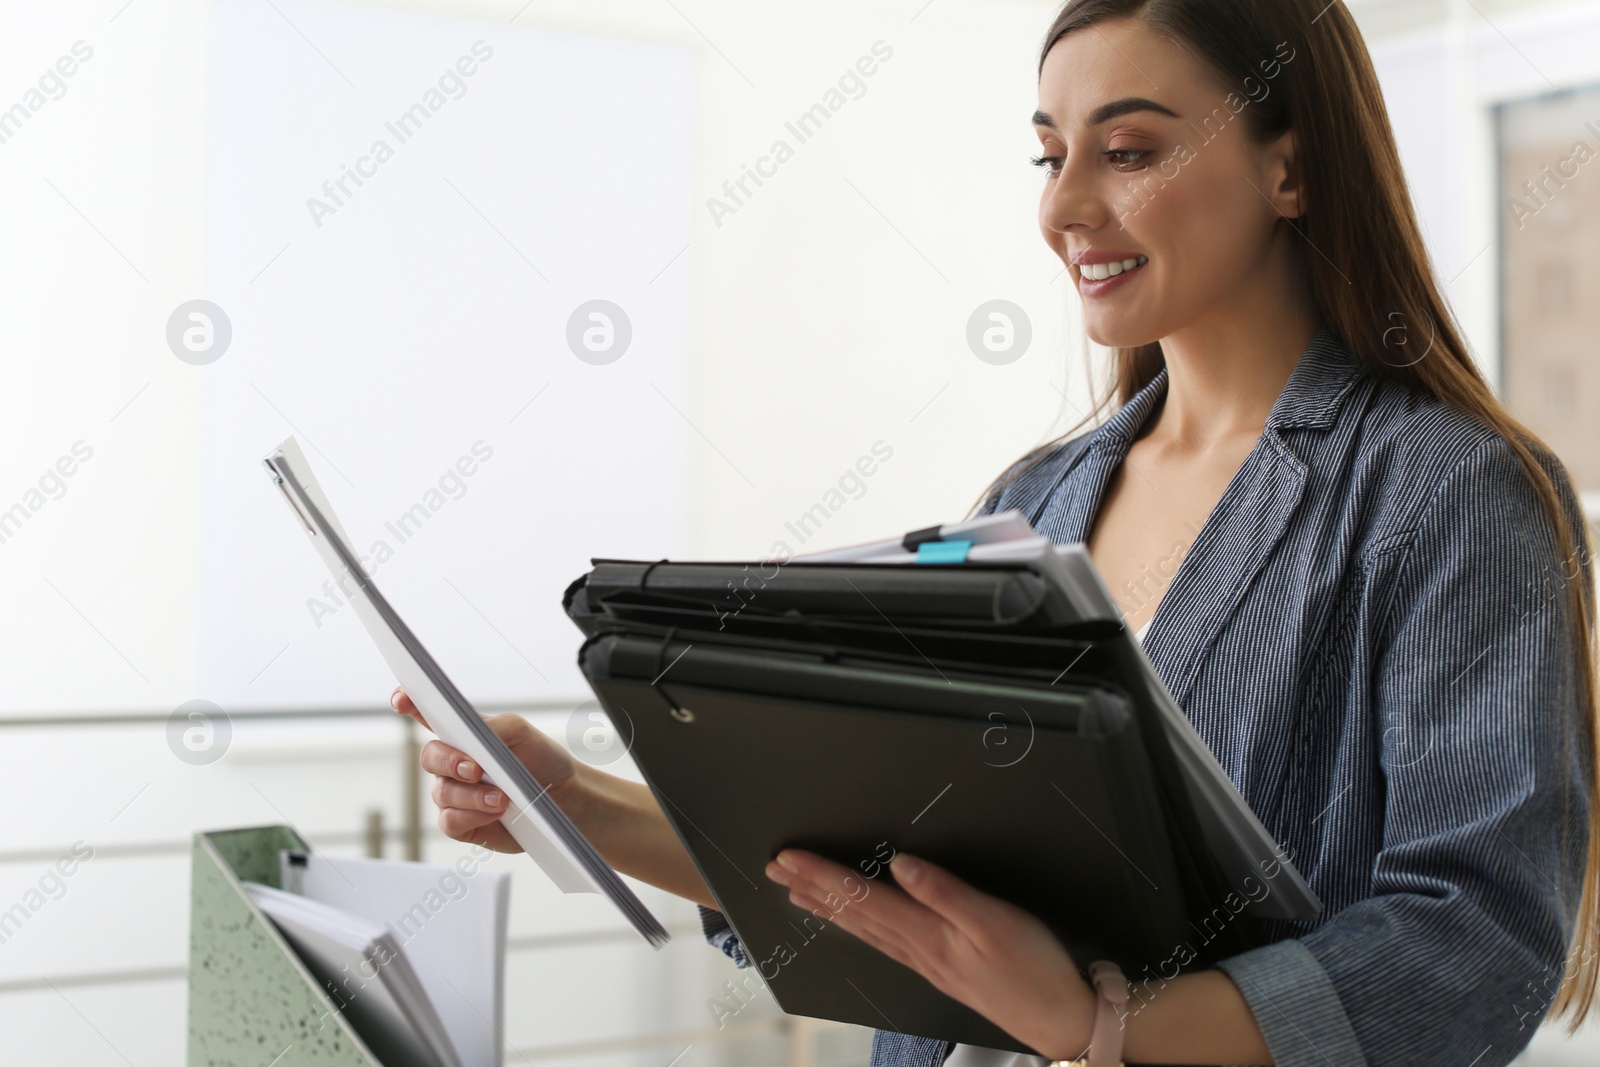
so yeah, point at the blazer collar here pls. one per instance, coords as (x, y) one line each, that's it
(1317, 387)
(1241, 532)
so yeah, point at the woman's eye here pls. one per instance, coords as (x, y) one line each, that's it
(1121, 159)
(1125, 158)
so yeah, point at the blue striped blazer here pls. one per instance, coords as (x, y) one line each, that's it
(1370, 633)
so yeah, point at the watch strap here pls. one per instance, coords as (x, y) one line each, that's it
(1111, 997)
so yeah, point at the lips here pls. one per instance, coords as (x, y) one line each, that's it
(1100, 273)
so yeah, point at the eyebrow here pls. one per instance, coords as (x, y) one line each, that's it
(1106, 112)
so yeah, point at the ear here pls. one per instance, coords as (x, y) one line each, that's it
(1284, 176)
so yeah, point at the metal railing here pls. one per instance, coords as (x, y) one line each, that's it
(800, 1032)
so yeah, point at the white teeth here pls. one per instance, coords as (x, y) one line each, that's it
(1096, 272)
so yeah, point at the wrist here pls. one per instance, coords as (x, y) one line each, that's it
(618, 817)
(630, 829)
(1102, 1042)
(1070, 1024)
(583, 797)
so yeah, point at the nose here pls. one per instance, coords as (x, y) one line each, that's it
(1073, 199)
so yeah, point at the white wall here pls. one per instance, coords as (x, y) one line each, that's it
(410, 327)
(828, 313)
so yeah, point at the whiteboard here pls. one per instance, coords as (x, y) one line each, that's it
(415, 329)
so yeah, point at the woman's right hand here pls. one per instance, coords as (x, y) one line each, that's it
(470, 808)
(621, 818)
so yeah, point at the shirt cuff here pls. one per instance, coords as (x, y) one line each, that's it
(1295, 1005)
(721, 936)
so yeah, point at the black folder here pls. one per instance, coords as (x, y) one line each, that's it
(970, 714)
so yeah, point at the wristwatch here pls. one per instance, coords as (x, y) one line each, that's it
(1105, 1043)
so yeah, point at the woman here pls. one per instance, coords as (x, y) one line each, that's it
(1365, 584)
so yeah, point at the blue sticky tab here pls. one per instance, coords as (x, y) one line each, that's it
(943, 551)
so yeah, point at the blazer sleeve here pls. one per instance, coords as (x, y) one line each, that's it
(1485, 758)
(715, 926)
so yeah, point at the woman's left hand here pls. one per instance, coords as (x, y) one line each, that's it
(990, 955)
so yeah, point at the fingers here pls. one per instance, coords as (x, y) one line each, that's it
(401, 703)
(462, 824)
(439, 758)
(468, 810)
(449, 793)
(842, 912)
(458, 786)
(948, 896)
(870, 902)
(845, 904)
(549, 762)
(510, 728)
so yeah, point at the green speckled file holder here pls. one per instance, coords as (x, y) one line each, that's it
(252, 1003)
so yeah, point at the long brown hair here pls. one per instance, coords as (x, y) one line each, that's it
(1372, 283)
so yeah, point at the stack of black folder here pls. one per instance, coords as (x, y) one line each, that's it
(984, 709)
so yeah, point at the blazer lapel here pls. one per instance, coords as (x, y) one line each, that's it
(1066, 512)
(1249, 520)
(1238, 538)
(1230, 550)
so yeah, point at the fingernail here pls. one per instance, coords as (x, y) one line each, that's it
(906, 870)
(777, 874)
(786, 863)
(464, 769)
(394, 700)
(492, 798)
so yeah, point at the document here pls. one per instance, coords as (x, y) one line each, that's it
(369, 975)
(532, 817)
(450, 921)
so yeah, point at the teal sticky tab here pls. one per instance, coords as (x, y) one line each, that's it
(943, 551)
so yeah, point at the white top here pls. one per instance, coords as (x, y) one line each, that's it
(973, 1056)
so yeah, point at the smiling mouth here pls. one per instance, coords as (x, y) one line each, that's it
(1099, 272)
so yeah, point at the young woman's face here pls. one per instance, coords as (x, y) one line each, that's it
(1150, 171)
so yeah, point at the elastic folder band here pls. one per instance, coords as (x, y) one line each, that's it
(943, 551)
